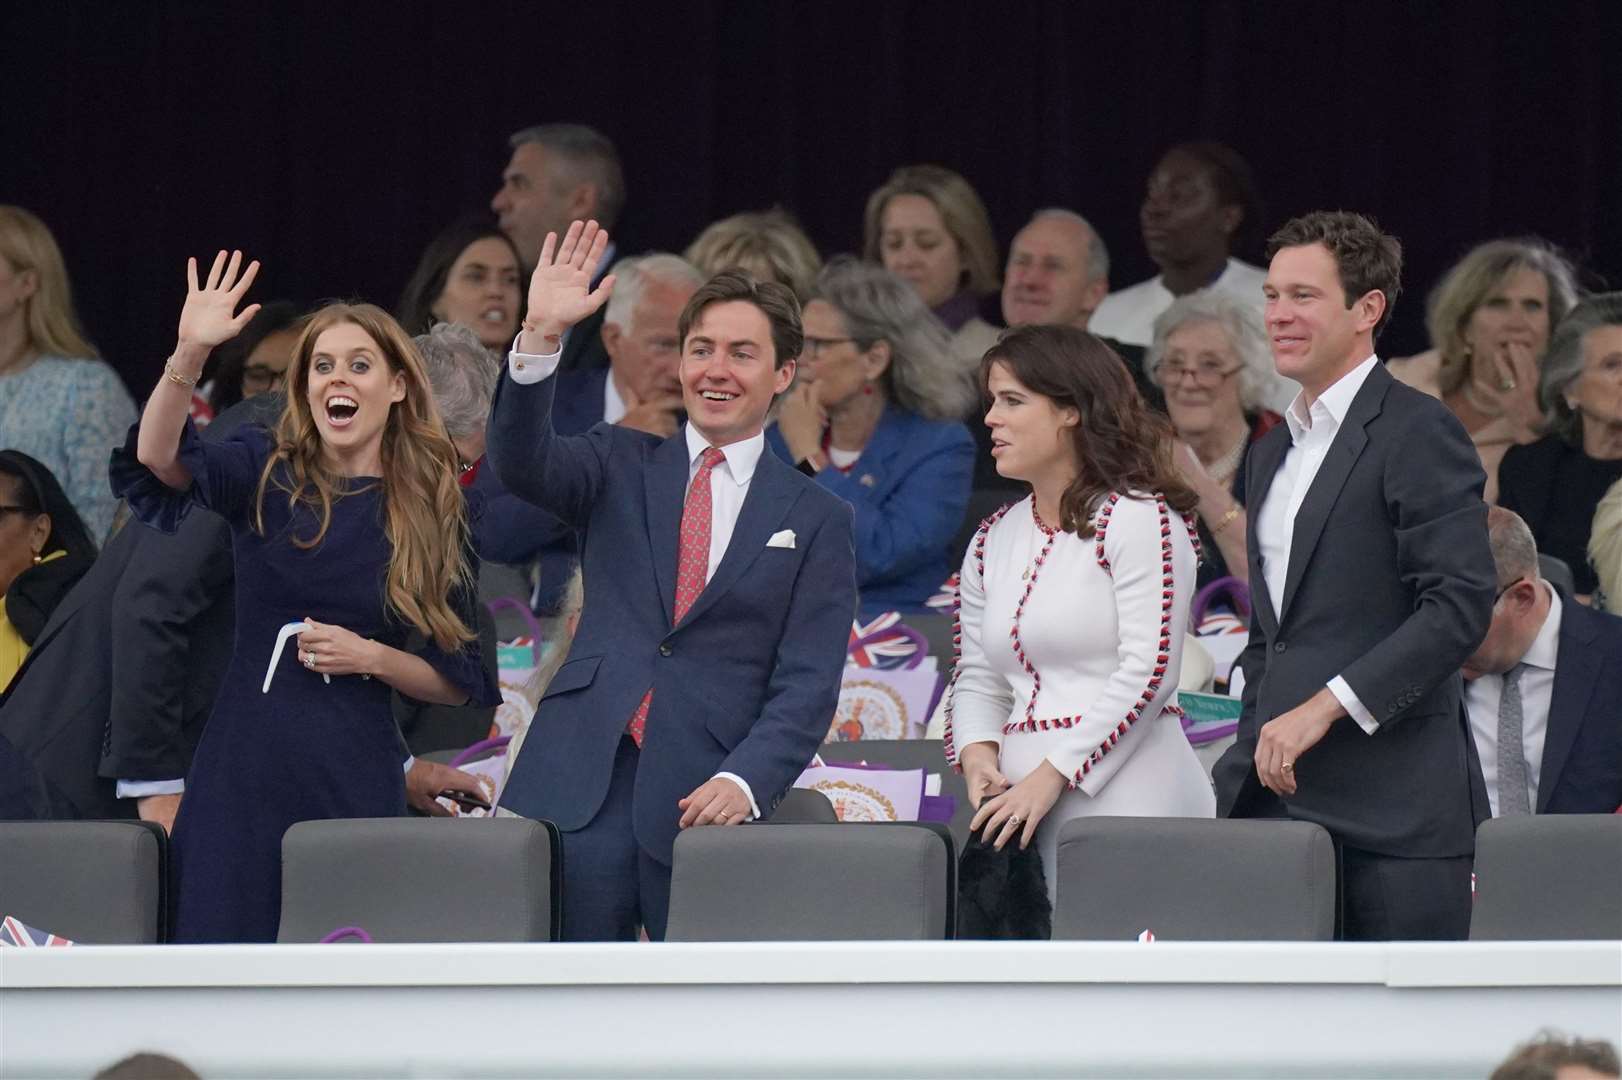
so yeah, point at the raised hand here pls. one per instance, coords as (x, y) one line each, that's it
(207, 319)
(560, 292)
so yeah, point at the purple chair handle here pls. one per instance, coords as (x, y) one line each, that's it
(508, 603)
(1231, 587)
(347, 932)
(499, 742)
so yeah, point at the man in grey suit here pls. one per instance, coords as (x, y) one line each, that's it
(1371, 581)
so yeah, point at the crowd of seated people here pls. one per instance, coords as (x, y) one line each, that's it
(933, 377)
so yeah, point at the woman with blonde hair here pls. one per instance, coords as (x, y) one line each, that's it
(927, 225)
(767, 244)
(349, 533)
(59, 403)
(1490, 319)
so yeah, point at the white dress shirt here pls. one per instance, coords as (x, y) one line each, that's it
(729, 482)
(1312, 431)
(613, 405)
(1482, 695)
(1128, 315)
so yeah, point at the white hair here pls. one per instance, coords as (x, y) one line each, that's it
(1097, 253)
(462, 374)
(1242, 326)
(631, 278)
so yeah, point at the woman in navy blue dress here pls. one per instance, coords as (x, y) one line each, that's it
(346, 518)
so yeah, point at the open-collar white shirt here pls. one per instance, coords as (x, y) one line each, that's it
(1312, 431)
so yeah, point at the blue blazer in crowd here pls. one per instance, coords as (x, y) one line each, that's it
(1582, 745)
(514, 531)
(746, 683)
(909, 490)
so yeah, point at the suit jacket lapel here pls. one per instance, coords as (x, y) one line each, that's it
(665, 488)
(1337, 465)
(770, 495)
(1576, 672)
(1263, 463)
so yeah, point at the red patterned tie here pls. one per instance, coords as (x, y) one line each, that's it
(692, 561)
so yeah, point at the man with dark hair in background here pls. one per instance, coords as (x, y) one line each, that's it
(1371, 581)
(561, 173)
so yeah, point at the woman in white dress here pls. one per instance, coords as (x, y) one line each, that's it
(1073, 604)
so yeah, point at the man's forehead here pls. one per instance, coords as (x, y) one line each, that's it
(731, 320)
(1050, 236)
(530, 157)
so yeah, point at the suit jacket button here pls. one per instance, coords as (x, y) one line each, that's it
(665, 649)
(1279, 647)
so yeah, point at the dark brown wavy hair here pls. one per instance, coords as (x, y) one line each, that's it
(1121, 444)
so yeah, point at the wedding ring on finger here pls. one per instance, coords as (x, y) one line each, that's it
(1288, 766)
(1506, 385)
(309, 660)
(1014, 820)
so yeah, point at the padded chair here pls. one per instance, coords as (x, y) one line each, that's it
(1555, 571)
(1548, 877)
(926, 754)
(422, 879)
(1194, 879)
(802, 806)
(814, 883)
(95, 882)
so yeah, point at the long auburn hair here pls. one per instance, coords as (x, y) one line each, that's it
(1121, 444)
(425, 518)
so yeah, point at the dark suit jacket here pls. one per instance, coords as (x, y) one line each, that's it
(909, 490)
(749, 680)
(1582, 746)
(1390, 585)
(514, 530)
(125, 672)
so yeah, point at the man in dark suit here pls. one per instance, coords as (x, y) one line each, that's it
(1371, 581)
(561, 173)
(720, 585)
(1542, 691)
(638, 389)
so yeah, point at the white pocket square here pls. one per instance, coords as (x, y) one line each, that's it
(783, 539)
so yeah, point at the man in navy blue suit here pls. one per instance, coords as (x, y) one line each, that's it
(720, 585)
(639, 389)
(1543, 691)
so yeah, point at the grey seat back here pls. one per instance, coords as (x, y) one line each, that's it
(96, 882)
(1548, 877)
(421, 879)
(1194, 879)
(813, 883)
(926, 754)
(803, 806)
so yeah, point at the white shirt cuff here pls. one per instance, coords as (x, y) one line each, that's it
(140, 789)
(754, 807)
(411, 759)
(1354, 708)
(529, 368)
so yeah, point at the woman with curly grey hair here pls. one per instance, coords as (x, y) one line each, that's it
(1210, 355)
(874, 418)
(1556, 483)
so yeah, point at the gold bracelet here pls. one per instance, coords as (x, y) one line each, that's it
(176, 377)
(1226, 520)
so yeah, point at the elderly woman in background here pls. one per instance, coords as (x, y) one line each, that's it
(874, 418)
(44, 551)
(928, 226)
(468, 275)
(768, 244)
(1210, 355)
(1490, 319)
(59, 403)
(1556, 483)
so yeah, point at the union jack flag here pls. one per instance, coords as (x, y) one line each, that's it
(13, 931)
(882, 643)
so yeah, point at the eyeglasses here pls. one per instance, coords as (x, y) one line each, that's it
(815, 345)
(263, 378)
(1506, 589)
(1206, 375)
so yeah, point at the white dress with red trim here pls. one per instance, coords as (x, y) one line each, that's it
(1069, 652)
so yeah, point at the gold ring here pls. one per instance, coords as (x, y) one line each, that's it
(1507, 385)
(1288, 766)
